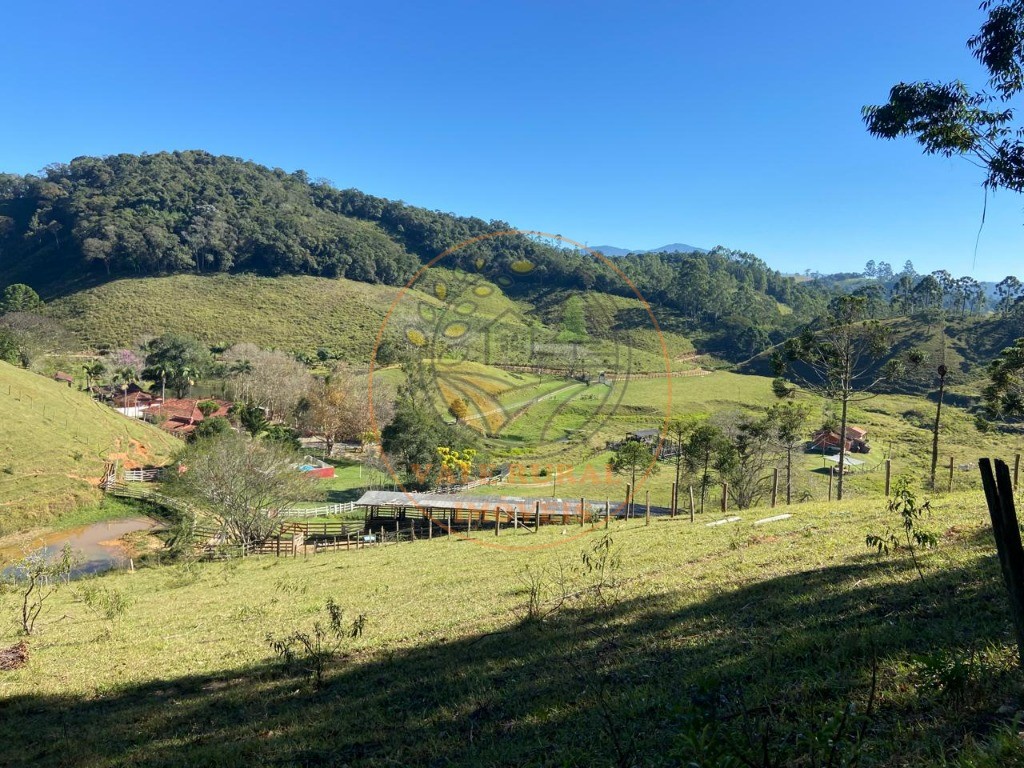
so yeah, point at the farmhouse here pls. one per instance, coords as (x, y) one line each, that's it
(179, 416)
(828, 439)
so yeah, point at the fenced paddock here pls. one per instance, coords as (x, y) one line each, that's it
(327, 510)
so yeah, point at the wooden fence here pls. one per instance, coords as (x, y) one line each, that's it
(328, 510)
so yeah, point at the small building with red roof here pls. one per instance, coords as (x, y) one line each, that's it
(179, 416)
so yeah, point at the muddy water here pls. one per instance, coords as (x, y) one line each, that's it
(97, 547)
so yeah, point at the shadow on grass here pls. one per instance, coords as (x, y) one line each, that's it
(655, 680)
(340, 497)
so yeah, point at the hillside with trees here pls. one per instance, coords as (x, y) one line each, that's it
(94, 220)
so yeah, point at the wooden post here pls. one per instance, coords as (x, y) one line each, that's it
(1016, 471)
(725, 498)
(950, 473)
(629, 500)
(583, 511)
(888, 477)
(536, 517)
(647, 514)
(497, 522)
(430, 525)
(831, 475)
(674, 502)
(469, 521)
(607, 513)
(380, 541)
(775, 486)
(693, 507)
(1005, 528)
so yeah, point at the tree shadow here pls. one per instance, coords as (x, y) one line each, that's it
(614, 682)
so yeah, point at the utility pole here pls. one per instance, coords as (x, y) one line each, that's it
(938, 415)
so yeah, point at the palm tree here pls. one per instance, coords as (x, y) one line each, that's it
(125, 376)
(93, 371)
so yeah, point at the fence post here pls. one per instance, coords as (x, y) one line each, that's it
(692, 506)
(831, 475)
(950, 474)
(725, 498)
(469, 521)
(629, 501)
(583, 511)
(1005, 528)
(497, 522)
(674, 501)
(607, 512)
(888, 477)
(1016, 470)
(536, 517)
(647, 513)
(775, 486)
(430, 525)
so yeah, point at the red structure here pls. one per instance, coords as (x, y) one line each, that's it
(180, 416)
(856, 440)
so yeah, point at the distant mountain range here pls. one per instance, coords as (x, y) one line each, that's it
(611, 250)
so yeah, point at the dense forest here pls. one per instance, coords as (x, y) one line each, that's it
(97, 219)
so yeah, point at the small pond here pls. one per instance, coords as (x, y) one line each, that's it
(97, 547)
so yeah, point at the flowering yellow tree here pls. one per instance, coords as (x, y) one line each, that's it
(455, 464)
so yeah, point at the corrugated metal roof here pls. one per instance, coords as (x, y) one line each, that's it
(456, 501)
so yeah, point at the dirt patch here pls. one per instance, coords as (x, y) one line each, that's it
(14, 657)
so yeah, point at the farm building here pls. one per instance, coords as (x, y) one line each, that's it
(650, 437)
(828, 439)
(179, 416)
(65, 378)
(410, 509)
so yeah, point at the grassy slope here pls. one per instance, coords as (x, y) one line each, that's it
(53, 445)
(291, 313)
(303, 313)
(899, 426)
(782, 620)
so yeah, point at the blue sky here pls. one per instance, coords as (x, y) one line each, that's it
(725, 122)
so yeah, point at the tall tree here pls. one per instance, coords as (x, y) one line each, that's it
(840, 360)
(630, 458)
(705, 448)
(181, 360)
(951, 120)
(787, 421)
(1004, 394)
(19, 298)
(241, 482)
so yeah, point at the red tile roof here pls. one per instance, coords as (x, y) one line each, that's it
(180, 415)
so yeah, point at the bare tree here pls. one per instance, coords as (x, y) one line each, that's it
(241, 482)
(269, 379)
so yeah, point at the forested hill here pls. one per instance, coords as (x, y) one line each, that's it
(96, 219)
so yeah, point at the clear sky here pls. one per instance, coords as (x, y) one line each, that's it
(631, 124)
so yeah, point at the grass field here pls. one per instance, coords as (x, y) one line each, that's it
(290, 313)
(569, 431)
(54, 442)
(686, 644)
